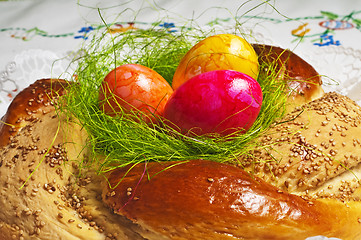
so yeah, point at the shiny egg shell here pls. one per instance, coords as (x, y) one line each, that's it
(218, 52)
(134, 87)
(221, 101)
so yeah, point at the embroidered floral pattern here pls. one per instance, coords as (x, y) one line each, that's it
(117, 27)
(327, 40)
(170, 27)
(28, 34)
(84, 31)
(330, 24)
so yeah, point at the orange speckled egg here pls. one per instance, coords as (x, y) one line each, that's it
(133, 87)
(218, 52)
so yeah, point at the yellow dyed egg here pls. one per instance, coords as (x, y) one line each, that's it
(218, 52)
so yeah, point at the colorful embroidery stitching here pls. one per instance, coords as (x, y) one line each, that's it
(330, 24)
(323, 33)
(84, 31)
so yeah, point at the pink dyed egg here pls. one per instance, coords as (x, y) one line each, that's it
(221, 101)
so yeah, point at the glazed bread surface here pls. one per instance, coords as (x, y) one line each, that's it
(42, 194)
(200, 199)
(301, 182)
(304, 82)
(314, 151)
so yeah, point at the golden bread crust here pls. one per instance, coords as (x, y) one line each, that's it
(315, 150)
(207, 200)
(43, 197)
(41, 194)
(305, 84)
(28, 104)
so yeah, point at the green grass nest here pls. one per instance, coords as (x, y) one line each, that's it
(122, 140)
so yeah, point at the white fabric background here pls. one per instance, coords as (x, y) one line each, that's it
(69, 16)
(33, 58)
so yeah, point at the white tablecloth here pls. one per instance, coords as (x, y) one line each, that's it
(34, 34)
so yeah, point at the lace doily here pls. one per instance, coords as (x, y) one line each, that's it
(29, 66)
(340, 68)
(321, 238)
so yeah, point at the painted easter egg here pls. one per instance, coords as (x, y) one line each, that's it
(220, 101)
(218, 52)
(133, 87)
